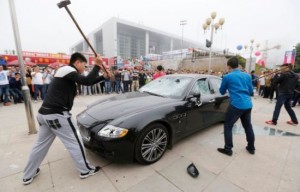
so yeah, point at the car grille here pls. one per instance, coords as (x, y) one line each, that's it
(85, 134)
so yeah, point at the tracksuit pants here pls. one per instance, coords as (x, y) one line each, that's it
(64, 127)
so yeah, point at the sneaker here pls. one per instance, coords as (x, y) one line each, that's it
(224, 151)
(252, 152)
(28, 181)
(270, 122)
(291, 123)
(90, 173)
(35, 101)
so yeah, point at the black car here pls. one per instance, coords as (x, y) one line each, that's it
(141, 125)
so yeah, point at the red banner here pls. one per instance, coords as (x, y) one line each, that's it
(40, 58)
(108, 61)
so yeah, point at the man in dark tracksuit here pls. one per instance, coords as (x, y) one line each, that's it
(287, 83)
(55, 119)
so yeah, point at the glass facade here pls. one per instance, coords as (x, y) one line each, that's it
(99, 42)
(130, 41)
(159, 43)
(78, 48)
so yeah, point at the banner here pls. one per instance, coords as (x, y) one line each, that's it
(289, 57)
(40, 58)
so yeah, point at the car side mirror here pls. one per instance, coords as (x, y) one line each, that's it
(195, 98)
(197, 95)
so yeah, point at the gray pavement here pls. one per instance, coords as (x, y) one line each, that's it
(274, 167)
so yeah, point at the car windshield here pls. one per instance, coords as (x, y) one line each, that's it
(167, 86)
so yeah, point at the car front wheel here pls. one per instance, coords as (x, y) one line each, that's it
(151, 144)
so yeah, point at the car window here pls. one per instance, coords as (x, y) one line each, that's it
(201, 86)
(215, 85)
(168, 86)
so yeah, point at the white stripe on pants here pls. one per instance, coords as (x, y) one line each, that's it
(62, 126)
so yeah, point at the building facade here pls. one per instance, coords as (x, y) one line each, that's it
(118, 37)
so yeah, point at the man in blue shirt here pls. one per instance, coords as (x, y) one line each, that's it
(240, 88)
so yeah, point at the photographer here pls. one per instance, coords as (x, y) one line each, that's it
(47, 77)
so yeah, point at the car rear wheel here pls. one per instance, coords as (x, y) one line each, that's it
(151, 144)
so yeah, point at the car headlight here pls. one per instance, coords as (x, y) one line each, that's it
(112, 132)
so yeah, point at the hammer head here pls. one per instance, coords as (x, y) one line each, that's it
(63, 3)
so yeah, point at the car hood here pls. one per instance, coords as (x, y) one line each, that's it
(125, 104)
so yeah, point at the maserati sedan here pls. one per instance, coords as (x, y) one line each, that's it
(140, 126)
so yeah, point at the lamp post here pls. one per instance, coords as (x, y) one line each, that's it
(182, 23)
(210, 24)
(251, 51)
(28, 107)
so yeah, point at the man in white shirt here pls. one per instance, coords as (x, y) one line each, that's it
(4, 85)
(262, 83)
(125, 79)
(86, 88)
(47, 77)
(38, 83)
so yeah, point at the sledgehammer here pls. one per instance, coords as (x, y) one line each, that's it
(65, 5)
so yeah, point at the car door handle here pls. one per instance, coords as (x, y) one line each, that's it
(212, 100)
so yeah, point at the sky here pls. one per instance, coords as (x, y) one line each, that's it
(44, 27)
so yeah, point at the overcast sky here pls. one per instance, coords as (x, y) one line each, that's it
(46, 28)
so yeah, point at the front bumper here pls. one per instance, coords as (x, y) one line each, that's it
(118, 150)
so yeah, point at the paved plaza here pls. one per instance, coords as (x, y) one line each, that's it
(274, 168)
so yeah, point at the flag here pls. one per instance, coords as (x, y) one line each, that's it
(289, 57)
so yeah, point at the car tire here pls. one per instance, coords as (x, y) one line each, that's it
(151, 144)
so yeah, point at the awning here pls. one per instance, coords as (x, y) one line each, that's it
(16, 62)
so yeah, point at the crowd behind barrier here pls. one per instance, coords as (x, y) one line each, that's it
(123, 80)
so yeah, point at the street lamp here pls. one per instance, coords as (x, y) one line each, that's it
(251, 50)
(182, 23)
(25, 89)
(210, 24)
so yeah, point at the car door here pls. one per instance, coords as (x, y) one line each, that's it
(220, 102)
(197, 115)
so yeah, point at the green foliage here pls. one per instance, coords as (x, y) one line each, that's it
(297, 61)
(61, 53)
(242, 61)
(258, 69)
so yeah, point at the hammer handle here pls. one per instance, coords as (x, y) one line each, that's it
(279, 71)
(104, 68)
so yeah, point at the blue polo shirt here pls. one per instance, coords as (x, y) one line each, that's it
(240, 88)
(2, 62)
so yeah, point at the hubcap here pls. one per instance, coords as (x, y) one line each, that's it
(154, 144)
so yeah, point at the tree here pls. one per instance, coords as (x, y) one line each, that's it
(242, 60)
(61, 53)
(297, 61)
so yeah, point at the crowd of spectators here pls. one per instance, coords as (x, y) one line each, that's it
(267, 88)
(123, 80)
